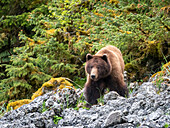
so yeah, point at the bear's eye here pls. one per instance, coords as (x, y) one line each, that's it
(98, 67)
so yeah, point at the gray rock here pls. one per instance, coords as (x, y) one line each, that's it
(124, 125)
(146, 89)
(145, 108)
(31, 126)
(113, 118)
(110, 96)
(156, 114)
(49, 123)
(48, 114)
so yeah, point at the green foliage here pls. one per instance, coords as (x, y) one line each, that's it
(79, 82)
(15, 7)
(43, 107)
(81, 103)
(51, 38)
(166, 125)
(101, 100)
(2, 109)
(13, 18)
(159, 80)
(56, 119)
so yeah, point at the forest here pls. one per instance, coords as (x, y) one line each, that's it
(44, 39)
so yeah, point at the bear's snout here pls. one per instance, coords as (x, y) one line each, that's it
(93, 74)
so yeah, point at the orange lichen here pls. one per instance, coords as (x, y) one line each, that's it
(114, 1)
(32, 42)
(99, 14)
(113, 12)
(166, 8)
(151, 42)
(166, 66)
(128, 32)
(165, 69)
(50, 32)
(160, 73)
(53, 84)
(18, 103)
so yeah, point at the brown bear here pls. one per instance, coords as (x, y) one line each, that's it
(104, 70)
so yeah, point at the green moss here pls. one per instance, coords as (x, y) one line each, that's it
(132, 70)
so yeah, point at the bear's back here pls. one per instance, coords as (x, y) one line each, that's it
(109, 48)
(114, 54)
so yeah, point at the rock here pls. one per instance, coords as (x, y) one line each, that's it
(113, 118)
(145, 108)
(124, 125)
(133, 85)
(156, 114)
(110, 96)
(147, 89)
(50, 123)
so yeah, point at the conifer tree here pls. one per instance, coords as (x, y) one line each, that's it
(52, 39)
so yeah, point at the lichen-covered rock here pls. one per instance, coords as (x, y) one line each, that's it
(52, 85)
(37, 115)
(162, 78)
(145, 108)
(18, 103)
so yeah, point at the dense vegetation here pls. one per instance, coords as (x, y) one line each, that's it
(50, 38)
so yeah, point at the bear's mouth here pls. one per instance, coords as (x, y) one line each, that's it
(93, 78)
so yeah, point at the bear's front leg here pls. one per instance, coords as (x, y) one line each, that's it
(91, 94)
(93, 91)
(118, 85)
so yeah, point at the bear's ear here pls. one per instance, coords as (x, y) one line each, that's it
(88, 57)
(104, 57)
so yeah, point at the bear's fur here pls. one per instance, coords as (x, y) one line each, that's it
(104, 70)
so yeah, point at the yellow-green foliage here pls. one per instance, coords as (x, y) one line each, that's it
(53, 39)
(53, 84)
(162, 77)
(164, 72)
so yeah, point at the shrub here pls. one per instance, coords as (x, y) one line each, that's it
(51, 39)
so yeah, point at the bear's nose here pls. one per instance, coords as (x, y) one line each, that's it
(92, 76)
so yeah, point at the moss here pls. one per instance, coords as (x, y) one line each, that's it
(166, 66)
(165, 69)
(158, 77)
(160, 73)
(18, 103)
(52, 84)
(132, 70)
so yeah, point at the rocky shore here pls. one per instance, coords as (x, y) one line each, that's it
(146, 107)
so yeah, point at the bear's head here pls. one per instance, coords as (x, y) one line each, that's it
(97, 66)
